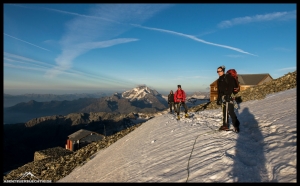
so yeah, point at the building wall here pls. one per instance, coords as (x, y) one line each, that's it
(213, 91)
(69, 145)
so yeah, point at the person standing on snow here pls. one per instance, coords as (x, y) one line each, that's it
(171, 101)
(179, 98)
(226, 85)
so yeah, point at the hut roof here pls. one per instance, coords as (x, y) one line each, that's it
(251, 79)
(80, 134)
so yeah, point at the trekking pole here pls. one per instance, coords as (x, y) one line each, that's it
(226, 113)
(222, 111)
(179, 107)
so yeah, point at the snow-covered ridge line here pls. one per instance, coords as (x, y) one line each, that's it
(139, 93)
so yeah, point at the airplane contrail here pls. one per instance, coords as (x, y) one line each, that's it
(193, 38)
(25, 42)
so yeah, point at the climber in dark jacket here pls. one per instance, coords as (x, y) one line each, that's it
(171, 101)
(226, 85)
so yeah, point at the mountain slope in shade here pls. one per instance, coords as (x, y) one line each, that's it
(140, 99)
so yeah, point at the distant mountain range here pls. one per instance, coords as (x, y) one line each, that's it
(141, 99)
(11, 100)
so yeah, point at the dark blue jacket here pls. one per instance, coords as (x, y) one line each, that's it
(170, 98)
(226, 83)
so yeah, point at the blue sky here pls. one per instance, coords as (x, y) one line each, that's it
(87, 48)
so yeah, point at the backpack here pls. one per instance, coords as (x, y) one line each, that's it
(234, 74)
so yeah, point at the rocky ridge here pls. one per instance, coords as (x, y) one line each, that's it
(288, 81)
(56, 168)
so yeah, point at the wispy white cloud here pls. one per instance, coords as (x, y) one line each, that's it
(288, 69)
(17, 58)
(81, 15)
(97, 30)
(20, 62)
(26, 42)
(281, 16)
(194, 38)
(64, 61)
(39, 68)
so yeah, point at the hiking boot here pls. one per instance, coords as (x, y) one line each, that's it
(223, 128)
(237, 129)
(178, 117)
(237, 126)
(186, 115)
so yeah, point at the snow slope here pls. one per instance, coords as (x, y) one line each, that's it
(192, 150)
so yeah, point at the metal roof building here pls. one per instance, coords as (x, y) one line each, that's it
(82, 138)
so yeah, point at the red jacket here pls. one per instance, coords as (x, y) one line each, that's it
(179, 96)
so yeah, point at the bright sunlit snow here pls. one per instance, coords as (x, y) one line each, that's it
(192, 150)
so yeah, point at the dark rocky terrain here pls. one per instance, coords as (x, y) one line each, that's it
(22, 140)
(62, 164)
(58, 167)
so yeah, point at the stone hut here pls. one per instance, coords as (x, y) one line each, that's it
(246, 81)
(82, 138)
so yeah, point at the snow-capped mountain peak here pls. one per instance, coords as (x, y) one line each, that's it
(139, 93)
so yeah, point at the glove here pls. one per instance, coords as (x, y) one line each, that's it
(219, 101)
(227, 98)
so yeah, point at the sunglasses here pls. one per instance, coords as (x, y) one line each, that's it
(219, 71)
